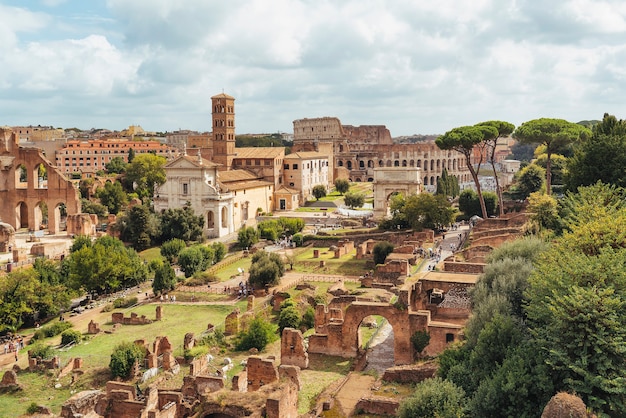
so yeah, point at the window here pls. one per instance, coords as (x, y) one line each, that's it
(295, 166)
(286, 166)
(185, 188)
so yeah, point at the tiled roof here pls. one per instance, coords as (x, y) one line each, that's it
(306, 155)
(259, 152)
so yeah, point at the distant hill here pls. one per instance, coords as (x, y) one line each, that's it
(412, 139)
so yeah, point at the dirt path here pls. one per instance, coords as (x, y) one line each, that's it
(351, 391)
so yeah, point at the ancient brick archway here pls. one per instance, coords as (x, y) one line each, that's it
(398, 319)
(28, 180)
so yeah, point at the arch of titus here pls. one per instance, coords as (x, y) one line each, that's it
(390, 180)
(25, 191)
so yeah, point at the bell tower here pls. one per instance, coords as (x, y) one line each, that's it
(223, 116)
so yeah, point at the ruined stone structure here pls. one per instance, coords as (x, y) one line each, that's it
(27, 181)
(292, 349)
(93, 327)
(391, 180)
(354, 151)
(133, 319)
(417, 308)
(7, 237)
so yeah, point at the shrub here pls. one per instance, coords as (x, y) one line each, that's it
(51, 330)
(32, 409)
(297, 239)
(123, 359)
(260, 333)
(381, 251)
(71, 336)
(124, 302)
(41, 351)
(308, 319)
(107, 308)
(170, 249)
(201, 279)
(434, 398)
(289, 318)
(196, 352)
(219, 251)
(420, 339)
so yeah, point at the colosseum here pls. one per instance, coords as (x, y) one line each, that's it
(354, 151)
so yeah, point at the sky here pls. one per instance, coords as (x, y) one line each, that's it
(416, 66)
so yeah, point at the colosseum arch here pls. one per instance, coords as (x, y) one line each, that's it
(389, 180)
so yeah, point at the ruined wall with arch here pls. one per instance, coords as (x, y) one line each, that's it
(30, 184)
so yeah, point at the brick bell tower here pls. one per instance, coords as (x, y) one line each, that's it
(223, 116)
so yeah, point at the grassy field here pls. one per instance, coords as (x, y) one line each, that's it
(347, 265)
(322, 371)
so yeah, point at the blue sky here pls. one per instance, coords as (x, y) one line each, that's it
(416, 66)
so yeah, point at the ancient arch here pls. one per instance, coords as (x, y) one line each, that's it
(406, 180)
(21, 215)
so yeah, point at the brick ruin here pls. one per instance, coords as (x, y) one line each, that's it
(23, 189)
(134, 319)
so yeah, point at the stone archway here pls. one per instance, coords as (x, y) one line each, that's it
(406, 180)
(21, 215)
(398, 319)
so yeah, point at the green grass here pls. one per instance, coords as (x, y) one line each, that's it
(347, 265)
(38, 388)
(366, 333)
(226, 272)
(150, 254)
(323, 370)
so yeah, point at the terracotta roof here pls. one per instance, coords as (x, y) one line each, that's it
(236, 175)
(259, 152)
(194, 160)
(283, 189)
(248, 184)
(306, 155)
(222, 96)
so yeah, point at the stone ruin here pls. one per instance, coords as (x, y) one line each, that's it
(93, 328)
(264, 390)
(343, 247)
(134, 319)
(9, 382)
(7, 238)
(231, 323)
(36, 364)
(292, 349)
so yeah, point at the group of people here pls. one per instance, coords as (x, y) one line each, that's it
(167, 298)
(13, 346)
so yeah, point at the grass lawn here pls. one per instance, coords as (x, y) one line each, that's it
(150, 254)
(226, 272)
(323, 370)
(347, 265)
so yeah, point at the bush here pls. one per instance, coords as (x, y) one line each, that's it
(124, 302)
(170, 249)
(71, 336)
(51, 330)
(381, 251)
(219, 251)
(420, 339)
(259, 335)
(123, 359)
(308, 319)
(434, 398)
(196, 352)
(266, 269)
(41, 351)
(297, 239)
(201, 279)
(289, 318)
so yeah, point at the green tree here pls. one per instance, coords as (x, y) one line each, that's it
(530, 179)
(342, 185)
(420, 340)
(291, 225)
(266, 269)
(181, 223)
(448, 185)
(88, 206)
(131, 155)
(260, 333)
(554, 134)
(117, 165)
(503, 129)
(289, 318)
(434, 398)
(194, 259)
(123, 359)
(354, 199)
(145, 172)
(170, 249)
(138, 226)
(543, 211)
(247, 237)
(269, 229)
(558, 167)
(600, 158)
(464, 139)
(164, 278)
(319, 191)
(105, 266)
(381, 250)
(428, 211)
(219, 251)
(113, 196)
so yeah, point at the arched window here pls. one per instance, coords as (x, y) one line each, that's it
(404, 163)
(210, 220)
(396, 163)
